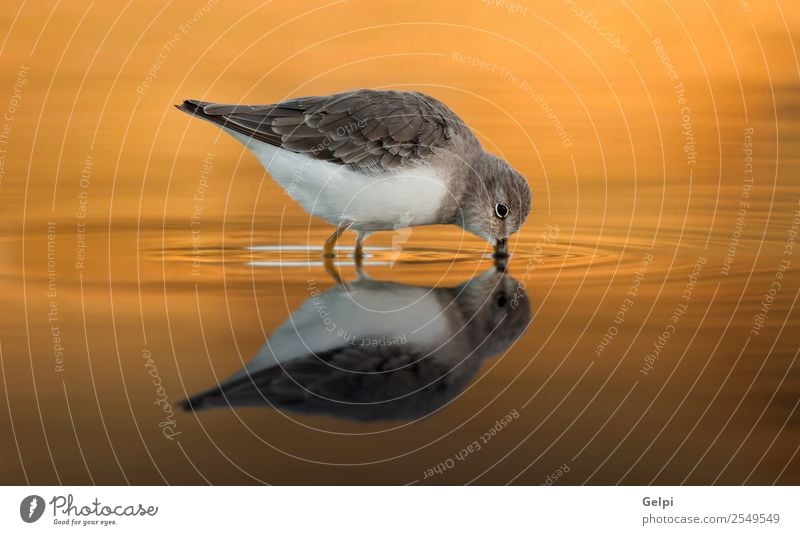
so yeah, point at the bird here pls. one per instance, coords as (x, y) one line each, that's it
(371, 160)
(374, 350)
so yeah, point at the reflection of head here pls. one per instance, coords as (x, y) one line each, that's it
(496, 308)
(397, 381)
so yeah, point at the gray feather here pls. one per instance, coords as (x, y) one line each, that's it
(367, 129)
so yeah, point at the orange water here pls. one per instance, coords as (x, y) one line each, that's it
(98, 166)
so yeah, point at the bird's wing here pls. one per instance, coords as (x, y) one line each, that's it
(367, 129)
(351, 381)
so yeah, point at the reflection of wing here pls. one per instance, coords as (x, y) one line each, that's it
(362, 383)
(440, 336)
(367, 129)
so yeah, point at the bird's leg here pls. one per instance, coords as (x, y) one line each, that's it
(333, 238)
(360, 273)
(330, 268)
(359, 252)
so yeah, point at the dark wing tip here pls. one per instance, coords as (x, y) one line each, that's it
(192, 107)
(201, 401)
(191, 404)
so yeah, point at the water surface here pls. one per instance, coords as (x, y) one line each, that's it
(145, 258)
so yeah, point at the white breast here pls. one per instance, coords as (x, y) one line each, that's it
(336, 193)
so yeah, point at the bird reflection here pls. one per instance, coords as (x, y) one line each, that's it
(378, 350)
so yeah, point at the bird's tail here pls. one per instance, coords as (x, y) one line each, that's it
(205, 400)
(196, 108)
(219, 114)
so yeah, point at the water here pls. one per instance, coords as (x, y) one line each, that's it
(643, 331)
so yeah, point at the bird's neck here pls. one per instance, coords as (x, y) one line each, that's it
(465, 177)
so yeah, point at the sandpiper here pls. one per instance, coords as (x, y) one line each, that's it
(370, 160)
(382, 350)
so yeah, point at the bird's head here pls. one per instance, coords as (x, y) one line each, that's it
(496, 202)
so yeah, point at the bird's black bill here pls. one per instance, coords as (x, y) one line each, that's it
(501, 263)
(501, 249)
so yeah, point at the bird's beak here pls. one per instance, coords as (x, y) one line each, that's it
(500, 263)
(501, 248)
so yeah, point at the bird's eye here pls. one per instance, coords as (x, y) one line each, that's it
(501, 210)
(501, 301)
